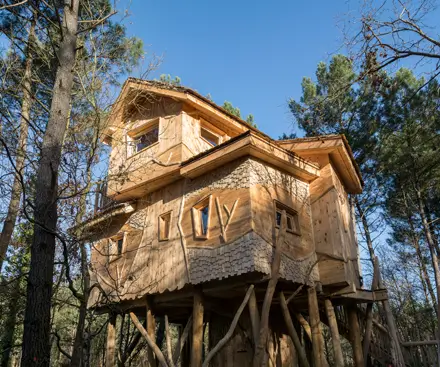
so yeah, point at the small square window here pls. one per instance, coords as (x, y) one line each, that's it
(201, 218)
(164, 226)
(146, 139)
(209, 136)
(292, 220)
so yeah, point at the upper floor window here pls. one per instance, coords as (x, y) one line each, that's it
(292, 220)
(210, 137)
(116, 246)
(201, 218)
(164, 226)
(142, 136)
(147, 138)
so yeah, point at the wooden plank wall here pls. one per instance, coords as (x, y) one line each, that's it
(126, 171)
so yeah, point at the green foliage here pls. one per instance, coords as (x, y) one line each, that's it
(250, 120)
(231, 109)
(166, 78)
(287, 136)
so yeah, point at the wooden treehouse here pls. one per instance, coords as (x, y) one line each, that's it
(247, 242)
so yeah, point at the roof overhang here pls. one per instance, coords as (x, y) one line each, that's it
(134, 87)
(250, 144)
(341, 156)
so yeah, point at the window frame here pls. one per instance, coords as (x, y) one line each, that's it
(210, 129)
(160, 221)
(290, 213)
(197, 220)
(139, 130)
(114, 241)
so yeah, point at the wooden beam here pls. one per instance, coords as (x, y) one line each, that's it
(419, 343)
(111, 341)
(336, 340)
(315, 325)
(355, 334)
(254, 316)
(168, 339)
(181, 341)
(153, 346)
(151, 330)
(302, 358)
(369, 315)
(197, 332)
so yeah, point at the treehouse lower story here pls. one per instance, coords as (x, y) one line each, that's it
(250, 262)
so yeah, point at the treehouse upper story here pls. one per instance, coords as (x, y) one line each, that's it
(199, 196)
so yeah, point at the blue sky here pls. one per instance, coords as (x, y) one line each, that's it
(251, 53)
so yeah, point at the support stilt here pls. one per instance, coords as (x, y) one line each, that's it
(111, 341)
(151, 330)
(315, 325)
(355, 335)
(336, 340)
(302, 358)
(197, 331)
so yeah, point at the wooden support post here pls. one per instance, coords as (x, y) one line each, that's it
(168, 339)
(197, 331)
(260, 348)
(355, 335)
(303, 322)
(315, 325)
(254, 316)
(111, 341)
(151, 330)
(336, 340)
(369, 314)
(302, 358)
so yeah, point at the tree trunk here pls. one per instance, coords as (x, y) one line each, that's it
(36, 346)
(315, 325)
(336, 340)
(77, 353)
(424, 271)
(260, 347)
(355, 335)
(367, 233)
(111, 342)
(197, 339)
(9, 326)
(14, 203)
(434, 256)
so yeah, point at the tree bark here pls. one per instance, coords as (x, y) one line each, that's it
(367, 233)
(197, 339)
(151, 330)
(14, 203)
(315, 325)
(36, 335)
(355, 335)
(302, 358)
(336, 340)
(10, 322)
(111, 342)
(260, 349)
(424, 271)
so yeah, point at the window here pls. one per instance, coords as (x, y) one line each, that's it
(164, 226)
(292, 220)
(115, 246)
(146, 139)
(201, 218)
(209, 136)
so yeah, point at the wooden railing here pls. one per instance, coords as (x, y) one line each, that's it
(102, 201)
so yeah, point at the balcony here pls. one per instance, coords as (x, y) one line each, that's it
(102, 201)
